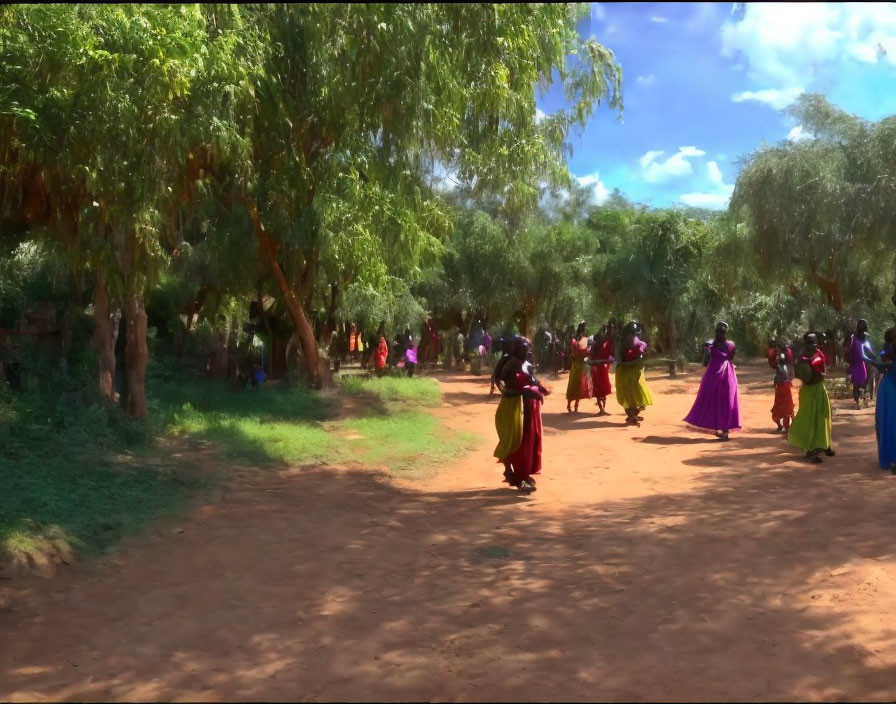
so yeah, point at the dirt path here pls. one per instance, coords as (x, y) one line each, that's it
(653, 563)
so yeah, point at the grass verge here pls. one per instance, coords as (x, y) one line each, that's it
(80, 478)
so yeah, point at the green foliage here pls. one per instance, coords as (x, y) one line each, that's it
(79, 475)
(821, 211)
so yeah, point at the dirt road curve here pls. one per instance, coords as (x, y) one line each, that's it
(653, 563)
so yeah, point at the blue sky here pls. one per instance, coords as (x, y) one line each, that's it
(704, 85)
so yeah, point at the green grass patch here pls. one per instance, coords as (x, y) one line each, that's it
(88, 506)
(408, 442)
(80, 477)
(416, 391)
(83, 476)
(257, 439)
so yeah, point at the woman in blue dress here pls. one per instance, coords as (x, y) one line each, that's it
(885, 412)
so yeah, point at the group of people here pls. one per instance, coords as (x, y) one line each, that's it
(716, 408)
(374, 351)
(589, 370)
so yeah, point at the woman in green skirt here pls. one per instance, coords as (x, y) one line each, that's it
(811, 428)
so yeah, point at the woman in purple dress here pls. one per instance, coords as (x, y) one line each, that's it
(717, 407)
(860, 357)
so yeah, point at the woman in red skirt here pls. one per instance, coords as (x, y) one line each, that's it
(518, 418)
(599, 357)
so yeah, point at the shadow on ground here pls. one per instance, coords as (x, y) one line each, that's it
(335, 585)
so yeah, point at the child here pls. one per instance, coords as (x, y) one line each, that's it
(782, 410)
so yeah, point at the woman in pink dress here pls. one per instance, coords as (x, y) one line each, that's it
(716, 407)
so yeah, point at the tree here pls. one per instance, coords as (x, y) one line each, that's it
(822, 210)
(378, 93)
(100, 107)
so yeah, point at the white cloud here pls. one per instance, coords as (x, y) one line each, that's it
(791, 45)
(658, 19)
(715, 173)
(597, 11)
(777, 98)
(649, 157)
(718, 195)
(713, 201)
(601, 193)
(647, 80)
(540, 115)
(656, 171)
(797, 134)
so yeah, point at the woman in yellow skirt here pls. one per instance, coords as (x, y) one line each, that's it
(631, 384)
(518, 418)
(579, 385)
(810, 430)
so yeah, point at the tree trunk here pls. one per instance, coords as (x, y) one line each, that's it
(196, 306)
(330, 326)
(671, 335)
(832, 290)
(137, 356)
(296, 312)
(104, 334)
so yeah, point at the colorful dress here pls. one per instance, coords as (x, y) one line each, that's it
(858, 350)
(518, 422)
(382, 354)
(783, 407)
(579, 385)
(811, 428)
(631, 382)
(716, 406)
(600, 373)
(885, 419)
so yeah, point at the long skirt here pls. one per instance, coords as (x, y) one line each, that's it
(518, 422)
(579, 385)
(716, 406)
(600, 380)
(783, 406)
(631, 386)
(885, 417)
(811, 428)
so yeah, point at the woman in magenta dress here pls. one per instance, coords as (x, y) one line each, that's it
(518, 418)
(716, 407)
(600, 357)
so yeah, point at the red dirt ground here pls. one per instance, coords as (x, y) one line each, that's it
(653, 563)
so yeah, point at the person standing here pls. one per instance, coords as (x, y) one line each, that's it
(410, 351)
(353, 343)
(336, 350)
(461, 354)
(631, 383)
(518, 417)
(860, 356)
(600, 358)
(885, 412)
(579, 384)
(717, 407)
(782, 410)
(381, 356)
(811, 428)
